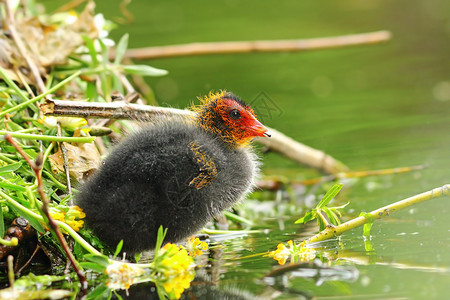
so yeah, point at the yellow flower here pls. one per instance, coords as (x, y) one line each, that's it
(72, 213)
(69, 217)
(195, 247)
(122, 275)
(76, 225)
(177, 285)
(296, 253)
(57, 214)
(282, 253)
(176, 269)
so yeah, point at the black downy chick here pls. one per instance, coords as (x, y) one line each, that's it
(177, 172)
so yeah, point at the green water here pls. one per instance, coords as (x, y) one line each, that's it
(372, 107)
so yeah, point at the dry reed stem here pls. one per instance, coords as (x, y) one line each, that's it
(294, 45)
(278, 142)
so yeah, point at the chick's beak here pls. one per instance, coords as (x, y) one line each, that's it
(258, 129)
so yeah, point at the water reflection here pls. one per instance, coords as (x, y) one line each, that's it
(318, 271)
(200, 289)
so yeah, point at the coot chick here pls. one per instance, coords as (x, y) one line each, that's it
(177, 172)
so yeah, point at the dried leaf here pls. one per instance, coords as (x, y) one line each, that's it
(83, 159)
(49, 41)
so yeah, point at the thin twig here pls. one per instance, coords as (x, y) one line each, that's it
(21, 77)
(323, 216)
(28, 262)
(37, 167)
(258, 46)
(69, 185)
(301, 153)
(49, 138)
(333, 231)
(66, 162)
(120, 110)
(278, 183)
(110, 110)
(70, 5)
(129, 17)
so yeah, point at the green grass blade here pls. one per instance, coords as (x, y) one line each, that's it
(2, 222)
(10, 168)
(330, 195)
(118, 248)
(92, 266)
(101, 260)
(121, 49)
(144, 70)
(11, 186)
(12, 85)
(334, 219)
(49, 138)
(159, 240)
(91, 48)
(41, 96)
(306, 218)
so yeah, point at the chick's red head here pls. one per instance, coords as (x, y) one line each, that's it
(231, 118)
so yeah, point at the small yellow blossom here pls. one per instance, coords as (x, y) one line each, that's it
(295, 253)
(195, 247)
(122, 275)
(282, 253)
(69, 216)
(176, 269)
(57, 214)
(75, 225)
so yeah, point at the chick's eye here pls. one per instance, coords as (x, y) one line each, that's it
(235, 114)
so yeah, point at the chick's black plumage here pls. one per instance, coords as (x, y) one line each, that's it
(176, 173)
